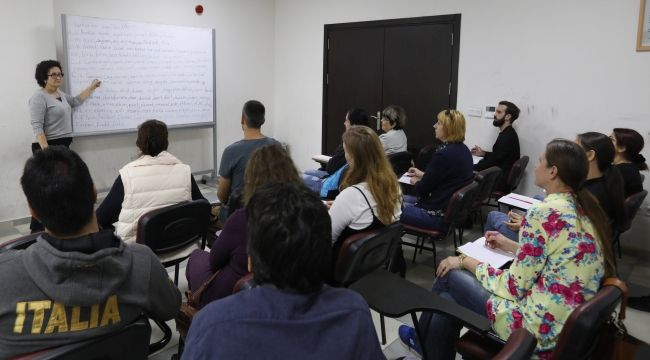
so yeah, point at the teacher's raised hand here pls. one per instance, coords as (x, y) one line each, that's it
(90, 89)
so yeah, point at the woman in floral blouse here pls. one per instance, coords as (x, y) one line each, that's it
(562, 255)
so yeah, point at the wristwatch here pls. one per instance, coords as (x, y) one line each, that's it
(461, 257)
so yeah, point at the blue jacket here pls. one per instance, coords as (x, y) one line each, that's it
(269, 323)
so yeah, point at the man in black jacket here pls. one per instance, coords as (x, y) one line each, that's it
(505, 150)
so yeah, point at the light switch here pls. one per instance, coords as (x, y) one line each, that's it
(474, 112)
(489, 112)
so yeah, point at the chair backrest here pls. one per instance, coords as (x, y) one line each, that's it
(130, 342)
(401, 162)
(519, 346)
(632, 205)
(517, 173)
(425, 153)
(363, 253)
(579, 336)
(20, 243)
(487, 179)
(461, 203)
(174, 227)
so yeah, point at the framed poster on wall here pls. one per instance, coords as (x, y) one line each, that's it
(643, 36)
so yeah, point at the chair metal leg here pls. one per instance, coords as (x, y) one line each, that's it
(415, 250)
(435, 252)
(418, 332)
(176, 270)
(383, 329)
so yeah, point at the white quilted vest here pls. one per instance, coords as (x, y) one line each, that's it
(151, 183)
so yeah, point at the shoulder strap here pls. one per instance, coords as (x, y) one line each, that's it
(367, 202)
(193, 297)
(613, 281)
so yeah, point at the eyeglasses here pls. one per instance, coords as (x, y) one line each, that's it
(56, 75)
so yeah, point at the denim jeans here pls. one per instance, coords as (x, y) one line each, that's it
(413, 215)
(494, 222)
(440, 330)
(314, 183)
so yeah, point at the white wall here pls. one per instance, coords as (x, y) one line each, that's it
(570, 65)
(27, 34)
(32, 32)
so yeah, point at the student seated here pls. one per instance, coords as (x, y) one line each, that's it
(290, 314)
(76, 281)
(370, 195)
(314, 178)
(604, 182)
(235, 157)
(628, 160)
(154, 180)
(267, 165)
(505, 150)
(562, 256)
(393, 121)
(449, 169)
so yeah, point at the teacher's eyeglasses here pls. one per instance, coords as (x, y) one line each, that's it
(56, 75)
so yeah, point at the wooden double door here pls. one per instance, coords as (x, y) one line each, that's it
(408, 62)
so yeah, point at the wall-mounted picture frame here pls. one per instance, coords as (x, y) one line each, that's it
(643, 36)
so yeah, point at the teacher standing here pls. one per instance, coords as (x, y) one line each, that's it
(51, 109)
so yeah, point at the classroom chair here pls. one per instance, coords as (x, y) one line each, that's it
(578, 339)
(512, 181)
(487, 179)
(631, 205)
(457, 211)
(174, 231)
(128, 343)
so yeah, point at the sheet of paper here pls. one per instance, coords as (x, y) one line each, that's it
(321, 158)
(478, 250)
(405, 179)
(476, 159)
(518, 201)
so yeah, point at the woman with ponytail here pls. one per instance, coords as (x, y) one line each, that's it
(563, 254)
(604, 181)
(154, 180)
(628, 159)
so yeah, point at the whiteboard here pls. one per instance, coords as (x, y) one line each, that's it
(148, 71)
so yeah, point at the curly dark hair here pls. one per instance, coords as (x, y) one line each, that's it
(42, 68)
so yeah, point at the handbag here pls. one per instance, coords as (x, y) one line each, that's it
(190, 307)
(615, 341)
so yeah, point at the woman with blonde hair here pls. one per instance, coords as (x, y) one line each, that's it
(449, 169)
(267, 165)
(370, 196)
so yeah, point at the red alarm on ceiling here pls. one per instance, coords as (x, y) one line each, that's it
(198, 9)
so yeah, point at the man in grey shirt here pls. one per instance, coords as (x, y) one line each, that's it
(235, 157)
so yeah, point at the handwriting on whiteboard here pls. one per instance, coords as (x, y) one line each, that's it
(147, 71)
